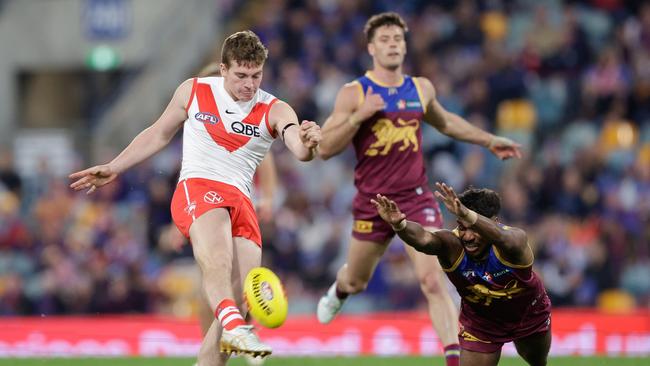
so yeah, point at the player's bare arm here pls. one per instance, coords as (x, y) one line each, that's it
(351, 109)
(442, 243)
(458, 128)
(300, 138)
(511, 242)
(145, 144)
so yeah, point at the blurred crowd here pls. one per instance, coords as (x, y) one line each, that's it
(568, 80)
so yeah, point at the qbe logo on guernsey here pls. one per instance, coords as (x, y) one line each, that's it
(245, 129)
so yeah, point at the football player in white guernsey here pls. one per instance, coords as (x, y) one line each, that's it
(228, 127)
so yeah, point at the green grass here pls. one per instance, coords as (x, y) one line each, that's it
(334, 361)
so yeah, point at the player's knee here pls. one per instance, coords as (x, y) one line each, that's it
(431, 283)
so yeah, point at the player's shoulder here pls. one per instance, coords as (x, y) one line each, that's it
(280, 110)
(351, 89)
(354, 85)
(209, 79)
(451, 236)
(423, 82)
(425, 87)
(184, 90)
(350, 95)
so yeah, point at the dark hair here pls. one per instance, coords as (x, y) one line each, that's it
(481, 200)
(245, 48)
(380, 20)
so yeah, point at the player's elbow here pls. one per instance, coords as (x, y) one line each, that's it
(324, 154)
(305, 157)
(326, 151)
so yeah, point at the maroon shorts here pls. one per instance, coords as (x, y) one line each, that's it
(418, 204)
(490, 339)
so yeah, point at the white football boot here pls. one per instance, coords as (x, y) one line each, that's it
(328, 306)
(242, 340)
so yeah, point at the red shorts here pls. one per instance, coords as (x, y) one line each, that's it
(195, 196)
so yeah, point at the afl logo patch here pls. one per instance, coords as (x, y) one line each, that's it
(266, 291)
(206, 118)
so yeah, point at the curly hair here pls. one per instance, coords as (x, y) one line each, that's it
(380, 20)
(481, 200)
(245, 48)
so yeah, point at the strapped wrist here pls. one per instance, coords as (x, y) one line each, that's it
(471, 218)
(400, 226)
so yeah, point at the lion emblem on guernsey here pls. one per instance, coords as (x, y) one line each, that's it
(388, 135)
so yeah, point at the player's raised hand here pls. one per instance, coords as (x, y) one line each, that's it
(92, 178)
(372, 103)
(310, 134)
(388, 210)
(449, 198)
(504, 148)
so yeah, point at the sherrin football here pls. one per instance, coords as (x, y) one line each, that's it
(265, 297)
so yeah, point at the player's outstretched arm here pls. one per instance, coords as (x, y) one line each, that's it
(145, 144)
(301, 139)
(512, 242)
(351, 108)
(458, 128)
(410, 232)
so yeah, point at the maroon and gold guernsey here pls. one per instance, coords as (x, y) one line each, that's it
(388, 145)
(389, 161)
(500, 301)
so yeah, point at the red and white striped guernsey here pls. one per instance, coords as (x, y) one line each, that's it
(225, 140)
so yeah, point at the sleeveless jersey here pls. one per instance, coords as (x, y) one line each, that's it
(497, 292)
(225, 140)
(388, 145)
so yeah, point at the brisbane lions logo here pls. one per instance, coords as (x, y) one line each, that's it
(481, 293)
(388, 134)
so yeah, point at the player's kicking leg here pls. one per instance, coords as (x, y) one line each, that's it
(352, 278)
(442, 310)
(213, 248)
(248, 255)
(206, 318)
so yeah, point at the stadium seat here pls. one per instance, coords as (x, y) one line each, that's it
(516, 114)
(615, 301)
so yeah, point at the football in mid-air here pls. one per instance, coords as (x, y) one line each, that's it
(265, 297)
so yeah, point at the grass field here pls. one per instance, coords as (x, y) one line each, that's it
(294, 361)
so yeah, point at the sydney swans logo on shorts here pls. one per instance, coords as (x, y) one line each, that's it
(206, 117)
(212, 197)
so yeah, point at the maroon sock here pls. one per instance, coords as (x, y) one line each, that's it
(452, 355)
